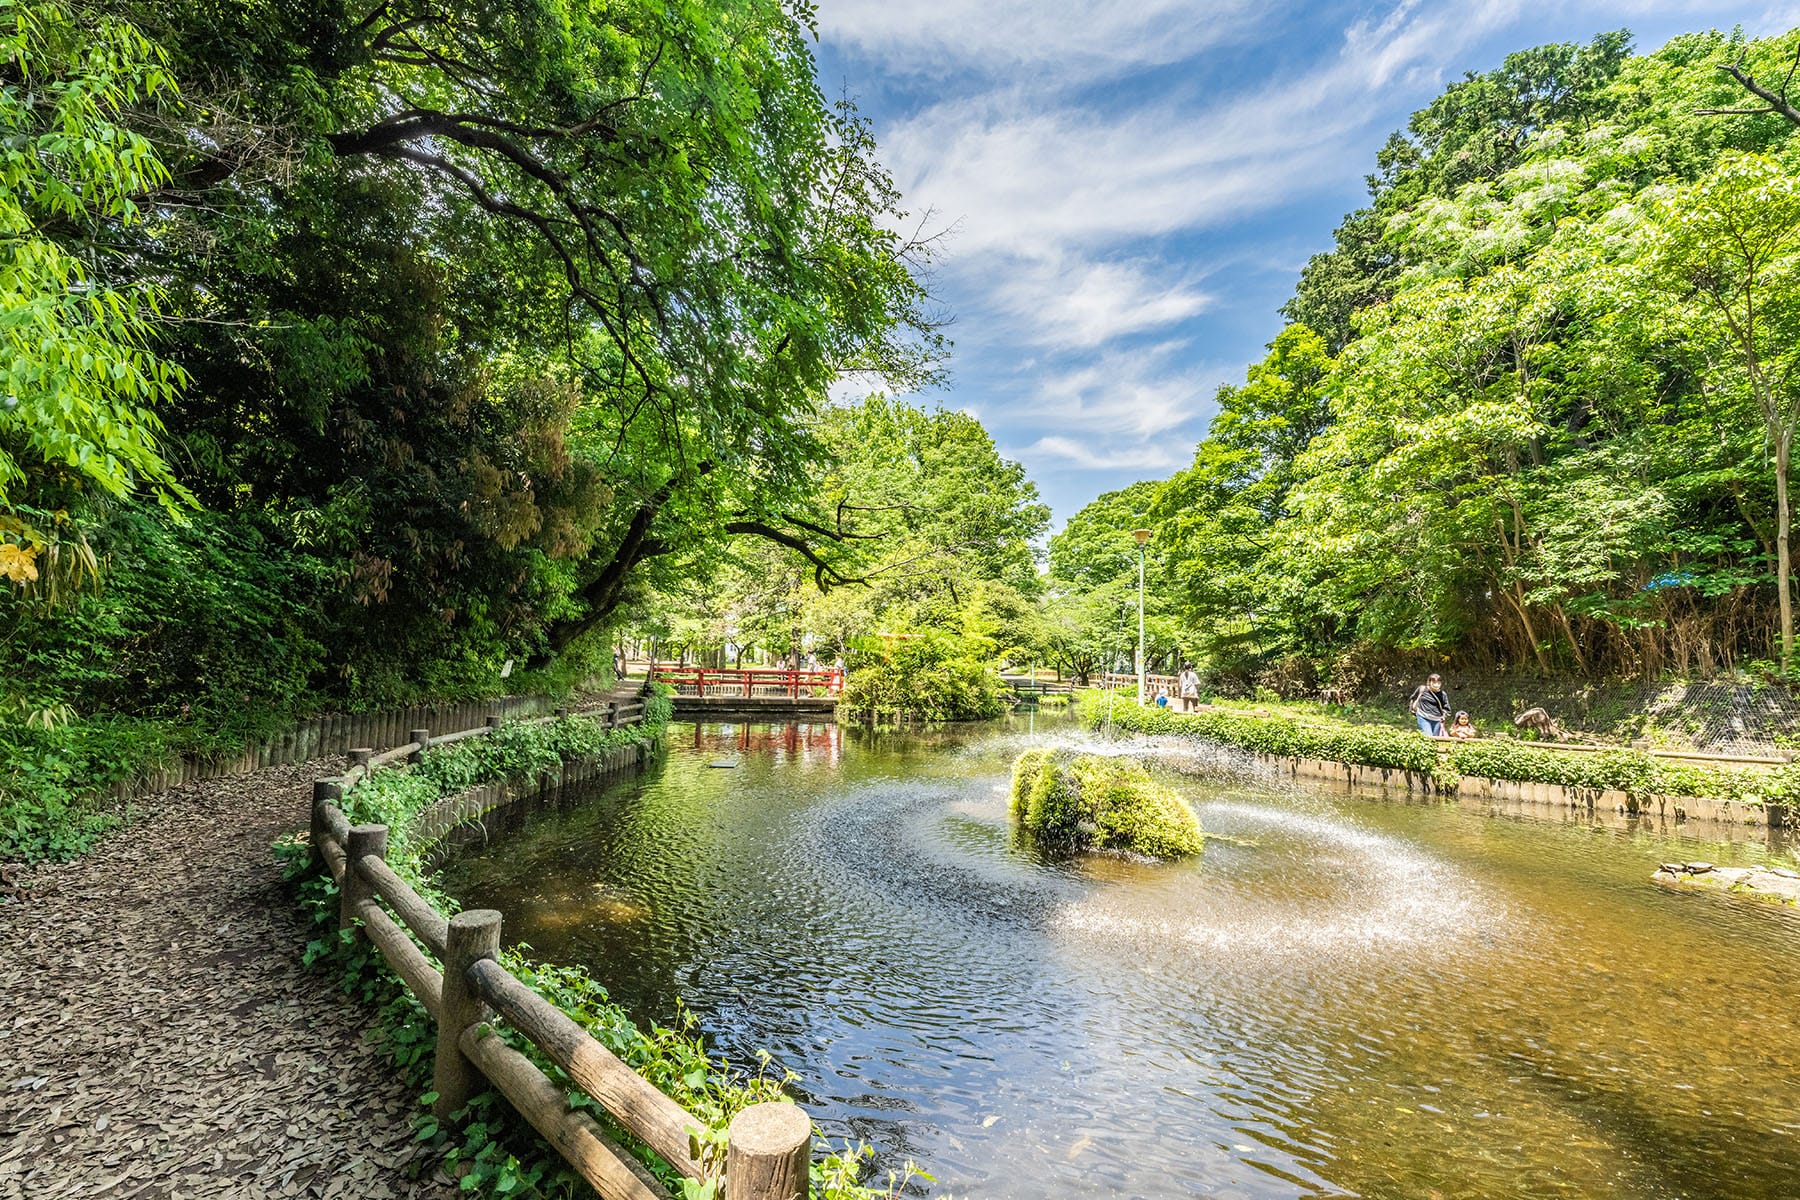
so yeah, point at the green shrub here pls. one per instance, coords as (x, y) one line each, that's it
(1631, 771)
(495, 1149)
(931, 678)
(1026, 769)
(1074, 802)
(1372, 745)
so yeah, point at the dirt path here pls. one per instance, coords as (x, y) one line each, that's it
(159, 1037)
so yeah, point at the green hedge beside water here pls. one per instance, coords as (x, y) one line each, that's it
(486, 1145)
(1630, 771)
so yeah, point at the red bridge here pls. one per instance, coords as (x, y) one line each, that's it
(700, 689)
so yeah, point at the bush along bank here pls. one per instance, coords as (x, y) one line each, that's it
(492, 1147)
(933, 678)
(1637, 774)
(1069, 803)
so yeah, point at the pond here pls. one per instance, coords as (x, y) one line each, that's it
(1371, 998)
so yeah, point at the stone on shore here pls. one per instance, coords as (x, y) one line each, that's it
(1777, 884)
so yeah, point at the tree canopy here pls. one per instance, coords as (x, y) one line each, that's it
(477, 318)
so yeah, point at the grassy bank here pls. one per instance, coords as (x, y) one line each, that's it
(496, 1152)
(1378, 745)
(59, 775)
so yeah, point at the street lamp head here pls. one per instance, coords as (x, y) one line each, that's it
(1142, 535)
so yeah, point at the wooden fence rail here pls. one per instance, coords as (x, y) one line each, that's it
(321, 737)
(768, 1146)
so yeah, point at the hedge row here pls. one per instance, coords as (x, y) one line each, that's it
(1631, 771)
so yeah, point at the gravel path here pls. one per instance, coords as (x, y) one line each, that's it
(159, 1037)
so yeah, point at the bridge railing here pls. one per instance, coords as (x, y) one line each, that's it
(1116, 679)
(750, 682)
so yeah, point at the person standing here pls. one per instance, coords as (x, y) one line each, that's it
(1431, 705)
(1190, 687)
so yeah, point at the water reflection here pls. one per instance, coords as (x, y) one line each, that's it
(815, 744)
(1371, 1000)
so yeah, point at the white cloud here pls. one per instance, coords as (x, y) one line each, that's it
(1068, 194)
(1086, 457)
(1083, 304)
(1053, 43)
(1026, 176)
(1120, 395)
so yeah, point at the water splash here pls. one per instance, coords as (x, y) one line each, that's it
(1383, 895)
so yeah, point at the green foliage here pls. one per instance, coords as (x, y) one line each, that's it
(1530, 417)
(927, 678)
(467, 319)
(1089, 620)
(1372, 745)
(496, 1151)
(1072, 802)
(80, 381)
(53, 805)
(1631, 771)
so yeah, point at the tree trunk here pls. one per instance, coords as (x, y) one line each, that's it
(1783, 563)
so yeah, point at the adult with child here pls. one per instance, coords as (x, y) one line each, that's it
(1431, 705)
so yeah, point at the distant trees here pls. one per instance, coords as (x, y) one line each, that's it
(1545, 417)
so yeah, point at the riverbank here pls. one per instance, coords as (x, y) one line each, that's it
(1627, 781)
(506, 1126)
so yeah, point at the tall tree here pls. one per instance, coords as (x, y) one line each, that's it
(1730, 242)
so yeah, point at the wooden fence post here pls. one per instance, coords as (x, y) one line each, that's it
(364, 839)
(474, 935)
(423, 737)
(325, 791)
(768, 1153)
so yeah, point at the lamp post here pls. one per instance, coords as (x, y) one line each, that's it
(1142, 536)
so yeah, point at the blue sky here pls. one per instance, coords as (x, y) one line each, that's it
(1132, 186)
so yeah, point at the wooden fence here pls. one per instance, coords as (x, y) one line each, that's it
(768, 1146)
(1114, 679)
(321, 737)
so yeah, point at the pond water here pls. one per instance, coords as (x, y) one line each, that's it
(1374, 999)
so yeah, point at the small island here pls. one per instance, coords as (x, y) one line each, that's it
(1070, 803)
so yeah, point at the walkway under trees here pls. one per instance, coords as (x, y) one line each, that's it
(161, 1037)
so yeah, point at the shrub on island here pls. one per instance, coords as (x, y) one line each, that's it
(1073, 802)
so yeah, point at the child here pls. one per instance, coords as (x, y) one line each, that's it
(1462, 728)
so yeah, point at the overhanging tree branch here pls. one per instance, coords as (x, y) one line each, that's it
(1777, 99)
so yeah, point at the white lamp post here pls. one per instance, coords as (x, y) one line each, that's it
(1142, 536)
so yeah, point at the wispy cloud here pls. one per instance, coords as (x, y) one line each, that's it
(1029, 177)
(1090, 155)
(1120, 397)
(1083, 304)
(1008, 37)
(1145, 458)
